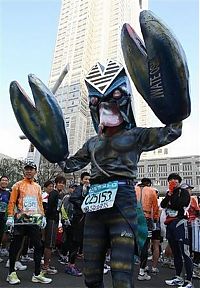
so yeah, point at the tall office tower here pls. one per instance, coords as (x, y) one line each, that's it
(89, 32)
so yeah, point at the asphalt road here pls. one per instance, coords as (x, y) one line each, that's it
(62, 280)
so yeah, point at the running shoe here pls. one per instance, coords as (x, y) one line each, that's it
(73, 270)
(187, 284)
(63, 260)
(4, 252)
(41, 279)
(18, 265)
(143, 277)
(154, 271)
(12, 278)
(49, 270)
(26, 258)
(176, 281)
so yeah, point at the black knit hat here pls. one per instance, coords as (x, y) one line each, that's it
(145, 181)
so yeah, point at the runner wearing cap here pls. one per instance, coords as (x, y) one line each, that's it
(26, 217)
(175, 203)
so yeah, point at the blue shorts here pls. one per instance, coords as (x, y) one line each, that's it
(177, 230)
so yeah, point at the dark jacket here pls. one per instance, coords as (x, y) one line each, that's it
(52, 211)
(179, 200)
(78, 219)
(76, 199)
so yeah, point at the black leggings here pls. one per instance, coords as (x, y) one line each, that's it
(68, 237)
(2, 225)
(177, 235)
(33, 231)
(104, 229)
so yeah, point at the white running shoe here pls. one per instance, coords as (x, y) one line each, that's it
(30, 250)
(18, 265)
(41, 279)
(143, 277)
(26, 258)
(49, 270)
(154, 270)
(176, 281)
(12, 278)
(4, 252)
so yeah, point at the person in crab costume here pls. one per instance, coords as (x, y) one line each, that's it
(159, 71)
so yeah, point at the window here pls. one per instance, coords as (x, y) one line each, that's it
(174, 167)
(163, 182)
(188, 180)
(187, 166)
(198, 180)
(151, 168)
(162, 168)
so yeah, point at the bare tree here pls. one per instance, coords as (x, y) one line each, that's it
(12, 168)
(47, 171)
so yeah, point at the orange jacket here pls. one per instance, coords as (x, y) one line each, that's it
(149, 201)
(193, 210)
(26, 197)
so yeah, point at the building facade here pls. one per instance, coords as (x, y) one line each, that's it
(89, 32)
(188, 167)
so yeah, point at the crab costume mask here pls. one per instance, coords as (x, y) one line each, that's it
(159, 71)
(109, 93)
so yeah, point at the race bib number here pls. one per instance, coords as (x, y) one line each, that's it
(30, 204)
(3, 206)
(171, 212)
(100, 196)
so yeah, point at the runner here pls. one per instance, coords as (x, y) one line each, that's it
(26, 200)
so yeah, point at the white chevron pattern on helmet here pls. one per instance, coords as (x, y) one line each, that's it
(101, 77)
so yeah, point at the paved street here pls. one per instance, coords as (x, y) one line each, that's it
(62, 280)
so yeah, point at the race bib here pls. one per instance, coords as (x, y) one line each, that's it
(100, 196)
(3, 206)
(171, 212)
(30, 204)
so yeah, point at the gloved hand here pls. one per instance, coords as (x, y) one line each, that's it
(66, 223)
(44, 222)
(10, 221)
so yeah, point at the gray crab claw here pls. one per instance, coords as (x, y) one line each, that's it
(43, 122)
(164, 78)
(135, 57)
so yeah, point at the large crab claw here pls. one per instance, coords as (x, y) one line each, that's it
(158, 68)
(43, 123)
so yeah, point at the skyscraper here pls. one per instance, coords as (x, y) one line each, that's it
(89, 32)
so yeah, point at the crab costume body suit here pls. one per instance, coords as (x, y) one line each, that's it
(159, 72)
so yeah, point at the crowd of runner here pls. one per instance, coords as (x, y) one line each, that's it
(173, 225)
